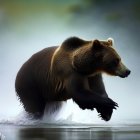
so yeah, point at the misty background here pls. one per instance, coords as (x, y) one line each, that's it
(27, 26)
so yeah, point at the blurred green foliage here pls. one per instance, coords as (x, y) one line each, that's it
(124, 13)
(114, 17)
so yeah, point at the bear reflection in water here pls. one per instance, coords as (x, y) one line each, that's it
(72, 70)
(93, 133)
(63, 134)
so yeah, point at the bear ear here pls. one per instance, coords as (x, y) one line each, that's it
(97, 45)
(110, 42)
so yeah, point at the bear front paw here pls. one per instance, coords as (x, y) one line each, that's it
(109, 103)
(104, 113)
(105, 110)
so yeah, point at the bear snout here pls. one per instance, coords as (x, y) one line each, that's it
(125, 74)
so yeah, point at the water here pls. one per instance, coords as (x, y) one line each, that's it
(69, 132)
(19, 41)
(53, 127)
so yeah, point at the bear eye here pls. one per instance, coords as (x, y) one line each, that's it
(115, 62)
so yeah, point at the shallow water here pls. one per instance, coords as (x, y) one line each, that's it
(69, 132)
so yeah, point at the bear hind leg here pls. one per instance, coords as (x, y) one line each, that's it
(33, 103)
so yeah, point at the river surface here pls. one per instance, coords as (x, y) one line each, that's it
(69, 132)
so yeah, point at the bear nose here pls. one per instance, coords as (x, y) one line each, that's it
(127, 72)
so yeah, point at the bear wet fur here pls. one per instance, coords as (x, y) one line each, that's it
(72, 70)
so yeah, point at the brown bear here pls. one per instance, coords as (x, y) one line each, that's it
(72, 70)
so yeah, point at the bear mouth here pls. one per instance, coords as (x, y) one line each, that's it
(125, 75)
(122, 76)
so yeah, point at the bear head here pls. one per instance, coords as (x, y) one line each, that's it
(91, 57)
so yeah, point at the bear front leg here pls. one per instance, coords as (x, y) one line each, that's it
(96, 85)
(33, 102)
(87, 100)
(77, 86)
